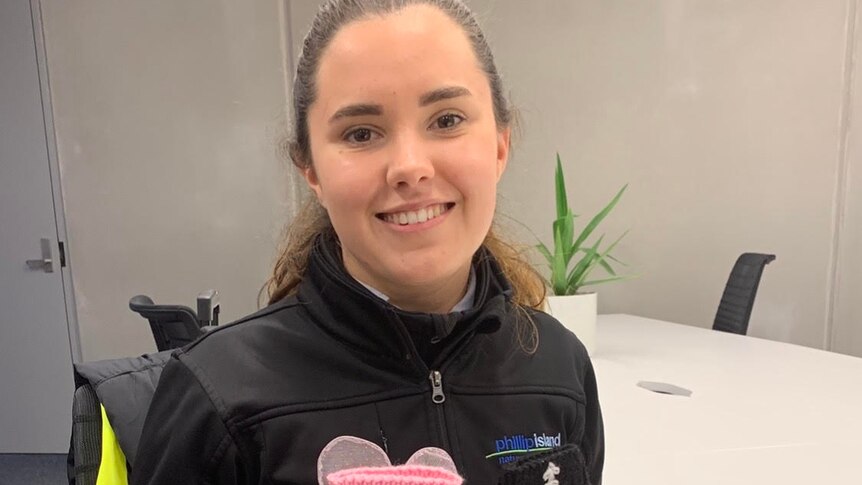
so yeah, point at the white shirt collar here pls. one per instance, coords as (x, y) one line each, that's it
(465, 304)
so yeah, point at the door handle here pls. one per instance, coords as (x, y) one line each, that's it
(47, 262)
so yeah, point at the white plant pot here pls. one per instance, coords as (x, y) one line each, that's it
(578, 314)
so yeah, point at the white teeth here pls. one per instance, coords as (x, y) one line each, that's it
(416, 217)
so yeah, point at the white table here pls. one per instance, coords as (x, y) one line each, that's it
(761, 412)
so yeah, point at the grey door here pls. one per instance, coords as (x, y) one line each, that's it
(35, 352)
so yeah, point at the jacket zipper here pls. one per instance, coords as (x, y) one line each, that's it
(437, 395)
(438, 398)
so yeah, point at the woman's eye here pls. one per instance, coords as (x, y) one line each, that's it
(447, 121)
(359, 135)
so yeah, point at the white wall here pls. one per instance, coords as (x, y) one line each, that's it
(724, 117)
(847, 319)
(166, 116)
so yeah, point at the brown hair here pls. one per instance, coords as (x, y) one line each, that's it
(312, 219)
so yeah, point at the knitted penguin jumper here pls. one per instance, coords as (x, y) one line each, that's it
(348, 460)
(395, 475)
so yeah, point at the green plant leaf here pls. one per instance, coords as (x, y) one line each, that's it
(566, 247)
(607, 267)
(560, 185)
(565, 218)
(580, 271)
(606, 254)
(566, 227)
(594, 260)
(599, 218)
(610, 248)
(604, 264)
(615, 260)
(547, 254)
(605, 280)
(558, 268)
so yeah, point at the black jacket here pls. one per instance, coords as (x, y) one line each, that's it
(256, 401)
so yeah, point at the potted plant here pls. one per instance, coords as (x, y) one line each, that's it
(572, 262)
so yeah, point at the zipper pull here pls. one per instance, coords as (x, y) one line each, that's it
(437, 387)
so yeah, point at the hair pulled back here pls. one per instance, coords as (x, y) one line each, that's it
(312, 219)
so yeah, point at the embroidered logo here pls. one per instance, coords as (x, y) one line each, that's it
(551, 473)
(509, 448)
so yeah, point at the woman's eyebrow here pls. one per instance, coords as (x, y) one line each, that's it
(365, 109)
(443, 93)
(357, 110)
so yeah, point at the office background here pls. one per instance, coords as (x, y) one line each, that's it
(734, 123)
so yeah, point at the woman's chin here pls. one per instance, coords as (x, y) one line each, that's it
(428, 276)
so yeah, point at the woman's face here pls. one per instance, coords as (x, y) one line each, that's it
(406, 153)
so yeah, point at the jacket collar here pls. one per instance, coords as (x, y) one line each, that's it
(349, 312)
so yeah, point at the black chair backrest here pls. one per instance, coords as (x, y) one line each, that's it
(734, 311)
(123, 388)
(173, 325)
(85, 452)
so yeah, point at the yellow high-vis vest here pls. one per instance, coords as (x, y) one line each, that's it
(112, 468)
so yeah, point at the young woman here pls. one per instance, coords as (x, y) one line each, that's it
(396, 315)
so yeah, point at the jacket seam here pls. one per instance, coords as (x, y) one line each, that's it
(253, 316)
(263, 313)
(101, 381)
(218, 455)
(208, 388)
(217, 405)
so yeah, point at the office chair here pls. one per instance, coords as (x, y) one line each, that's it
(174, 326)
(737, 301)
(85, 448)
(123, 388)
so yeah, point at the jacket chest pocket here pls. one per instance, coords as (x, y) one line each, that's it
(491, 430)
(292, 443)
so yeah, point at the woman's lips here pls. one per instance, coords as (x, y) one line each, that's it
(420, 216)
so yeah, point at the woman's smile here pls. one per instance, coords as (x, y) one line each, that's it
(426, 217)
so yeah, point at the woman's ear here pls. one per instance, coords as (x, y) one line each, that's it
(504, 138)
(313, 182)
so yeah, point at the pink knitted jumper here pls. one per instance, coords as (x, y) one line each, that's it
(395, 475)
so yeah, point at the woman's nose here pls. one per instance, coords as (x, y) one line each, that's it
(409, 162)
